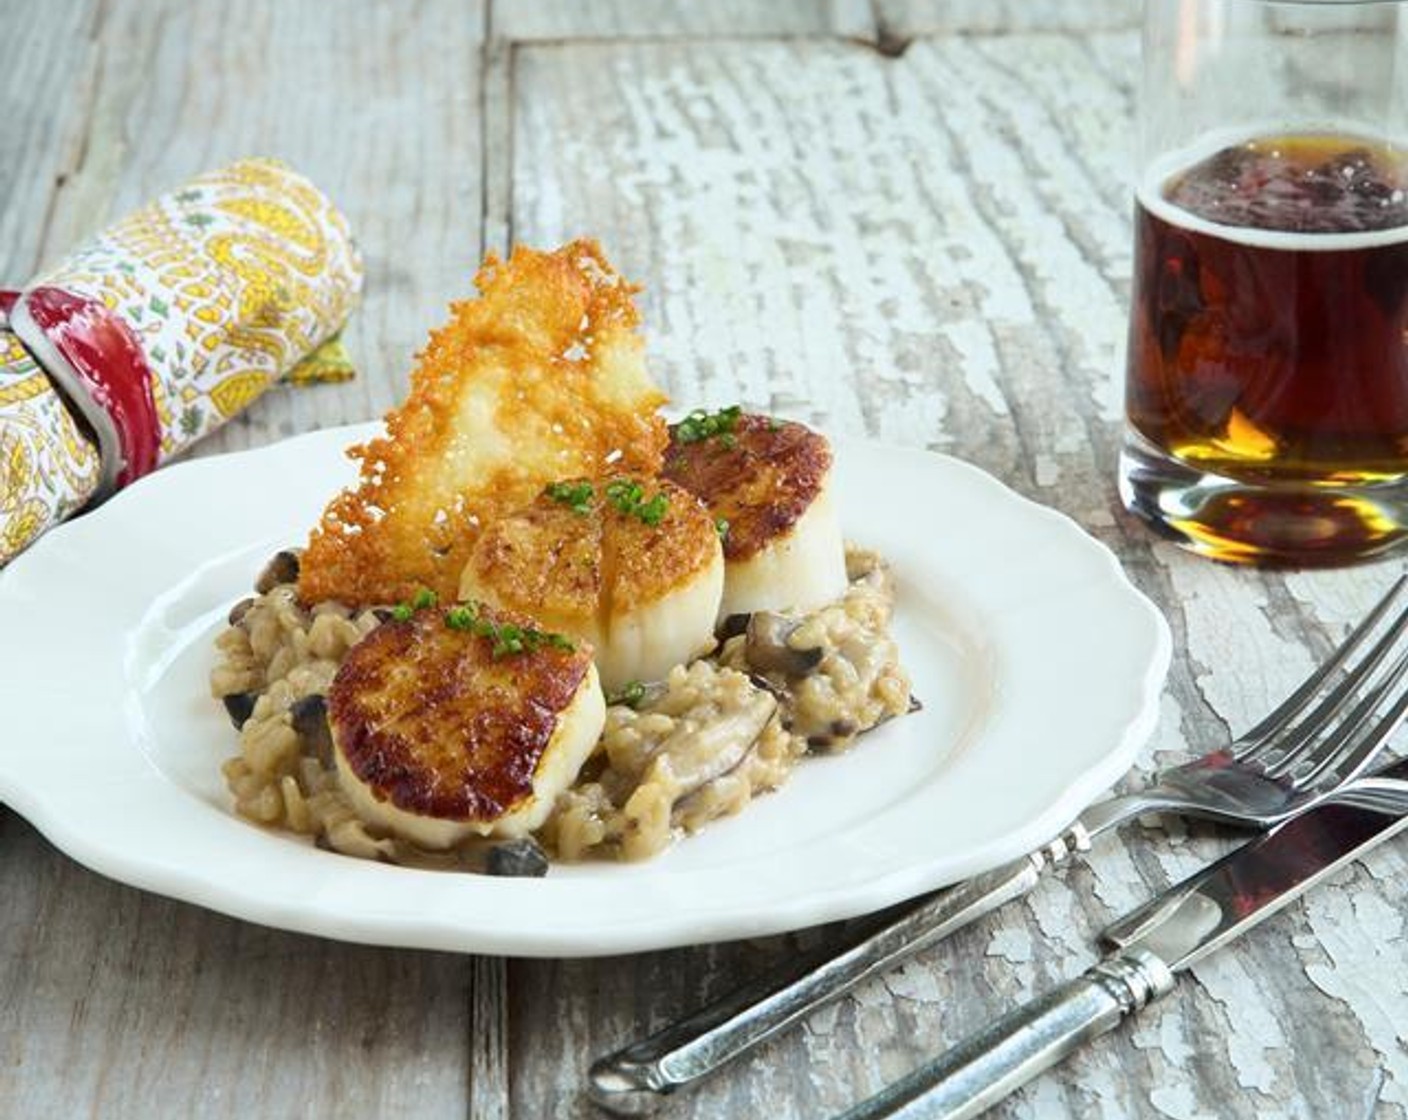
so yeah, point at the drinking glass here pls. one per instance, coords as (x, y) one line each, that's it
(1267, 384)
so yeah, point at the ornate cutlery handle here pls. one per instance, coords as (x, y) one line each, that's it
(981, 1071)
(637, 1079)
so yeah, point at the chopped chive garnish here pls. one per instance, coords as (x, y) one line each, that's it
(508, 638)
(631, 694)
(700, 425)
(459, 618)
(628, 497)
(423, 599)
(721, 527)
(576, 496)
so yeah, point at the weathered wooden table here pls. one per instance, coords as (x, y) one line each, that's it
(894, 220)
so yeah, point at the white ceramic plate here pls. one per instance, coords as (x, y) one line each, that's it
(1038, 664)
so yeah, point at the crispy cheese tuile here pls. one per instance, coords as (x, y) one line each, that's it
(542, 377)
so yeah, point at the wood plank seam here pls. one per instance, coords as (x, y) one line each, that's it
(496, 124)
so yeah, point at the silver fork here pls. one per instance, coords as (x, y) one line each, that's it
(1322, 736)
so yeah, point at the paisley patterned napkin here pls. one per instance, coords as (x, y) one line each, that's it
(159, 330)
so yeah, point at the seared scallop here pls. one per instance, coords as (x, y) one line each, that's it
(451, 724)
(633, 566)
(768, 483)
(546, 561)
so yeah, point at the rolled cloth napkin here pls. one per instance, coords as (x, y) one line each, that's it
(159, 330)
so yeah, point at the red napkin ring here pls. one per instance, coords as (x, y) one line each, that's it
(93, 357)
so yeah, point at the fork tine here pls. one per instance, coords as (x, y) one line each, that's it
(1257, 740)
(1349, 750)
(1303, 737)
(1365, 751)
(1360, 758)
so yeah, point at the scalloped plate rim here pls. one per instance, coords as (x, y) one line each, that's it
(278, 889)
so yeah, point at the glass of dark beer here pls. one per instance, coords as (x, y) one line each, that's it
(1267, 382)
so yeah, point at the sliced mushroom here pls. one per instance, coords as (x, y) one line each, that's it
(684, 805)
(731, 626)
(238, 611)
(697, 753)
(757, 680)
(523, 858)
(309, 717)
(767, 650)
(838, 733)
(283, 568)
(240, 706)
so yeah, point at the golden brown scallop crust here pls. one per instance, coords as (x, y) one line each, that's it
(761, 478)
(556, 563)
(432, 722)
(543, 560)
(648, 562)
(541, 377)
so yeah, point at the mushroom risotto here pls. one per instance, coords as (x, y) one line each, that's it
(674, 754)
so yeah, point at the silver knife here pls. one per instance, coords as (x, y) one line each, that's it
(1149, 946)
(637, 1079)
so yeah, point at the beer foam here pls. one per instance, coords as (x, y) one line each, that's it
(1150, 195)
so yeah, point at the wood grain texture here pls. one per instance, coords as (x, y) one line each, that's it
(536, 20)
(122, 1004)
(914, 18)
(379, 107)
(935, 251)
(118, 1003)
(932, 249)
(45, 108)
(890, 22)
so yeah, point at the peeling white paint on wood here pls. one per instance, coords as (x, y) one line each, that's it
(931, 249)
(1361, 936)
(1008, 303)
(1253, 1030)
(927, 17)
(1243, 666)
(915, 983)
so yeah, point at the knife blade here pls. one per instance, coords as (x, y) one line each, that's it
(1150, 946)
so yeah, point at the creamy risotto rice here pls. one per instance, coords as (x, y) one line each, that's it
(685, 751)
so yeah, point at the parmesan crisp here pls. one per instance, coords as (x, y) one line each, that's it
(541, 378)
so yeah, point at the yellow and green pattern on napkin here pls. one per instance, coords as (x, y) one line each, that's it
(239, 279)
